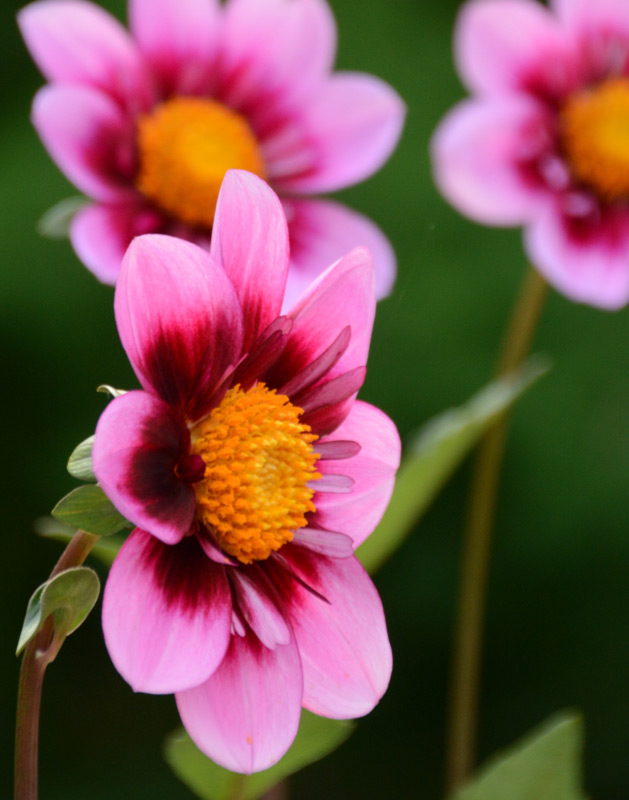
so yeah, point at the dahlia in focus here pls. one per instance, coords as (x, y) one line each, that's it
(544, 141)
(147, 123)
(252, 473)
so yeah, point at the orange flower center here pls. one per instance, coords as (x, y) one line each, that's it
(595, 137)
(186, 145)
(259, 463)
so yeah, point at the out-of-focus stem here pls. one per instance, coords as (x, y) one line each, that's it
(39, 652)
(468, 640)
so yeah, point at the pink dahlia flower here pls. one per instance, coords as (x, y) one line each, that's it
(544, 142)
(147, 123)
(252, 473)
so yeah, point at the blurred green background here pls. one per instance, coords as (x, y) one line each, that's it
(558, 621)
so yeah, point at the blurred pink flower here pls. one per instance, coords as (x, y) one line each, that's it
(147, 124)
(252, 473)
(544, 142)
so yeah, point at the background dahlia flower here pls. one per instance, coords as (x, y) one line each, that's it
(147, 123)
(544, 142)
(252, 473)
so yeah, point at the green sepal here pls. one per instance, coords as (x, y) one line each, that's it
(440, 446)
(55, 223)
(68, 597)
(545, 765)
(105, 388)
(80, 461)
(105, 550)
(317, 736)
(89, 509)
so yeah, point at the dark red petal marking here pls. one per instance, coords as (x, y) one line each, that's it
(211, 548)
(190, 468)
(327, 419)
(331, 392)
(319, 367)
(282, 574)
(329, 451)
(185, 576)
(265, 352)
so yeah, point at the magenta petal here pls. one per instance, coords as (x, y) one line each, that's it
(179, 320)
(479, 152)
(178, 38)
(166, 614)
(260, 612)
(323, 231)
(250, 241)
(372, 469)
(606, 16)
(318, 368)
(100, 235)
(327, 543)
(331, 392)
(274, 54)
(343, 642)
(77, 42)
(343, 297)
(246, 715)
(499, 43)
(85, 132)
(588, 263)
(137, 447)
(353, 123)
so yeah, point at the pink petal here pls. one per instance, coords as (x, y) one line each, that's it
(479, 152)
(344, 296)
(73, 41)
(179, 320)
(333, 483)
(343, 643)
(274, 54)
(321, 232)
(250, 241)
(166, 614)
(327, 543)
(259, 611)
(372, 470)
(138, 444)
(610, 16)
(353, 124)
(500, 44)
(100, 235)
(178, 38)
(87, 135)
(246, 715)
(588, 263)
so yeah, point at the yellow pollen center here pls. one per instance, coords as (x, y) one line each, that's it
(259, 461)
(595, 137)
(185, 147)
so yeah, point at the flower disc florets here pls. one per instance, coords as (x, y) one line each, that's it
(259, 461)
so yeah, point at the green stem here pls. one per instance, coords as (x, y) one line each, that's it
(468, 640)
(39, 652)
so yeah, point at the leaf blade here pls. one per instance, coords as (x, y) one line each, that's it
(317, 736)
(80, 461)
(545, 765)
(439, 448)
(89, 509)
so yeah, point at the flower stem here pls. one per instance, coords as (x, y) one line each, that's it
(468, 640)
(39, 652)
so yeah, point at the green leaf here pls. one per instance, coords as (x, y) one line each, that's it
(55, 223)
(80, 462)
(441, 445)
(105, 550)
(546, 765)
(69, 597)
(89, 509)
(317, 736)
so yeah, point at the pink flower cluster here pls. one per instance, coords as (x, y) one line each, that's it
(544, 141)
(143, 122)
(247, 425)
